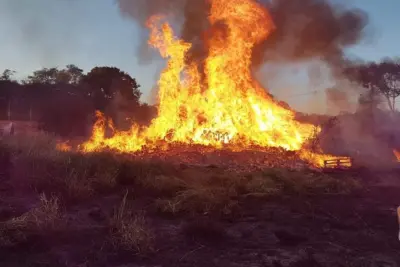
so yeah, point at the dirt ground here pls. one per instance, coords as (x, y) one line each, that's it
(358, 229)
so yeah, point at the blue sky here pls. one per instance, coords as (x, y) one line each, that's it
(47, 33)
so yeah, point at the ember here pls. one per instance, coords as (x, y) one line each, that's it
(230, 110)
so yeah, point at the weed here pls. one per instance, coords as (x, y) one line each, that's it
(261, 186)
(131, 232)
(169, 206)
(199, 200)
(309, 182)
(163, 184)
(46, 216)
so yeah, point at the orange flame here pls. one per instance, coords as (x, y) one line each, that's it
(63, 146)
(231, 110)
(397, 154)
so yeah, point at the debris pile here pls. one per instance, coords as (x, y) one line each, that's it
(238, 161)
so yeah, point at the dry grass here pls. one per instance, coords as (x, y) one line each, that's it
(36, 144)
(188, 189)
(131, 232)
(74, 174)
(163, 183)
(200, 200)
(223, 193)
(302, 183)
(46, 216)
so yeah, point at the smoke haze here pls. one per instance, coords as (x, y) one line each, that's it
(305, 29)
(37, 28)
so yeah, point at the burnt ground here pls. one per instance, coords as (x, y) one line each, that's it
(283, 228)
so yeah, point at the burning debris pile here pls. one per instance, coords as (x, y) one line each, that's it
(243, 161)
(214, 105)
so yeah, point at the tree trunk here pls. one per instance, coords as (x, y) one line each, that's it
(389, 101)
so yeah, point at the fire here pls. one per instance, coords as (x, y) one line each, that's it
(63, 146)
(230, 110)
(397, 154)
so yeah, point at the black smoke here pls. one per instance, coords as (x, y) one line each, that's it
(305, 29)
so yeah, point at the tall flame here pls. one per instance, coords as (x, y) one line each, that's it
(231, 108)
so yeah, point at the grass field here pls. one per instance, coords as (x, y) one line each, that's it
(70, 209)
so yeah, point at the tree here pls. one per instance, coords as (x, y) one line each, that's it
(43, 76)
(390, 81)
(379, 78)
(103, 84)
(64, 111)
(7, 75)
(69, 75)
(8, 88)
(144, 114)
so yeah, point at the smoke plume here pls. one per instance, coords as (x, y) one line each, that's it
(311, 29)
(305, 29)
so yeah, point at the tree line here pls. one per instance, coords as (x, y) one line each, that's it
(63, 101)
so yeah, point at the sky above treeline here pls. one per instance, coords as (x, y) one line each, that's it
(88, 33)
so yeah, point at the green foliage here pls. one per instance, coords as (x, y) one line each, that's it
(7, 75)
(71, 74)
(105, 83)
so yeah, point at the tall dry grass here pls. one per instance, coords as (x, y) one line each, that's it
(130, 230)
(45, 216)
